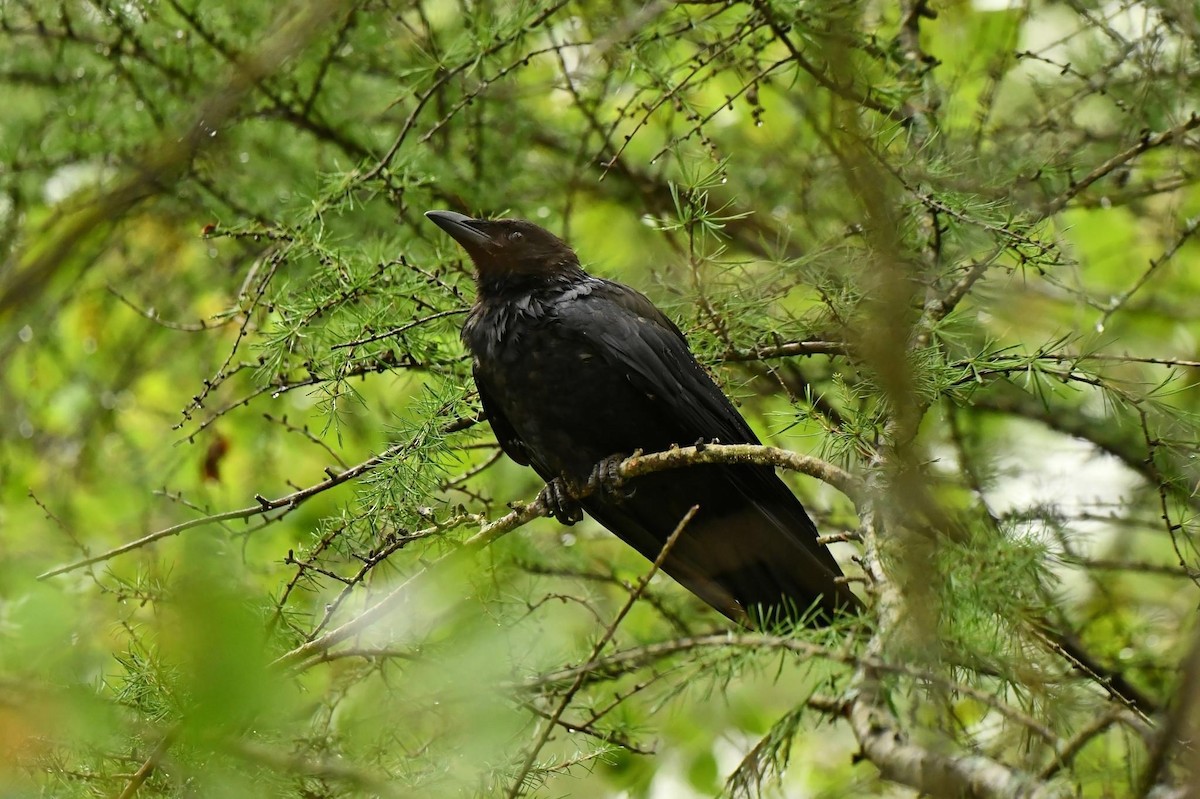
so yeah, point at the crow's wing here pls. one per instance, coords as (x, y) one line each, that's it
(632, 334)
(757, 543)
(510, 442)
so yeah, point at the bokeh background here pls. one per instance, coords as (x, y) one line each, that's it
(946, 246)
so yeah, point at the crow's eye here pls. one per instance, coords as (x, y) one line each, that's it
(515, 236)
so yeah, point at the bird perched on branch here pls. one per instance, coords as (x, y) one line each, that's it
(576, 372)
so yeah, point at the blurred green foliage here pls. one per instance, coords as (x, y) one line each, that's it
(218, 293)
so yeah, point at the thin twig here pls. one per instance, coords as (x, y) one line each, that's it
(547, 728)
(143, 773)
(397, 331)
(286, 503)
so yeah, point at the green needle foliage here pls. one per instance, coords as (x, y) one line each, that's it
(943, 247)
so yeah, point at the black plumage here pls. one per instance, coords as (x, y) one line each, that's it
(573, 369)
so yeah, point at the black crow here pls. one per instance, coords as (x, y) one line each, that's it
(575, 372)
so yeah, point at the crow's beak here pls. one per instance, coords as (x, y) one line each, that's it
(461, 228)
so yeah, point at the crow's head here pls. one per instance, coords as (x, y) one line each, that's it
(502, 247)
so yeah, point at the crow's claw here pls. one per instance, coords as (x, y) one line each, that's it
(556, 496)
(606, 478)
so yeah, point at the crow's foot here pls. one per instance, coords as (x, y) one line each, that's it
(606, 478)
(557, 498)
